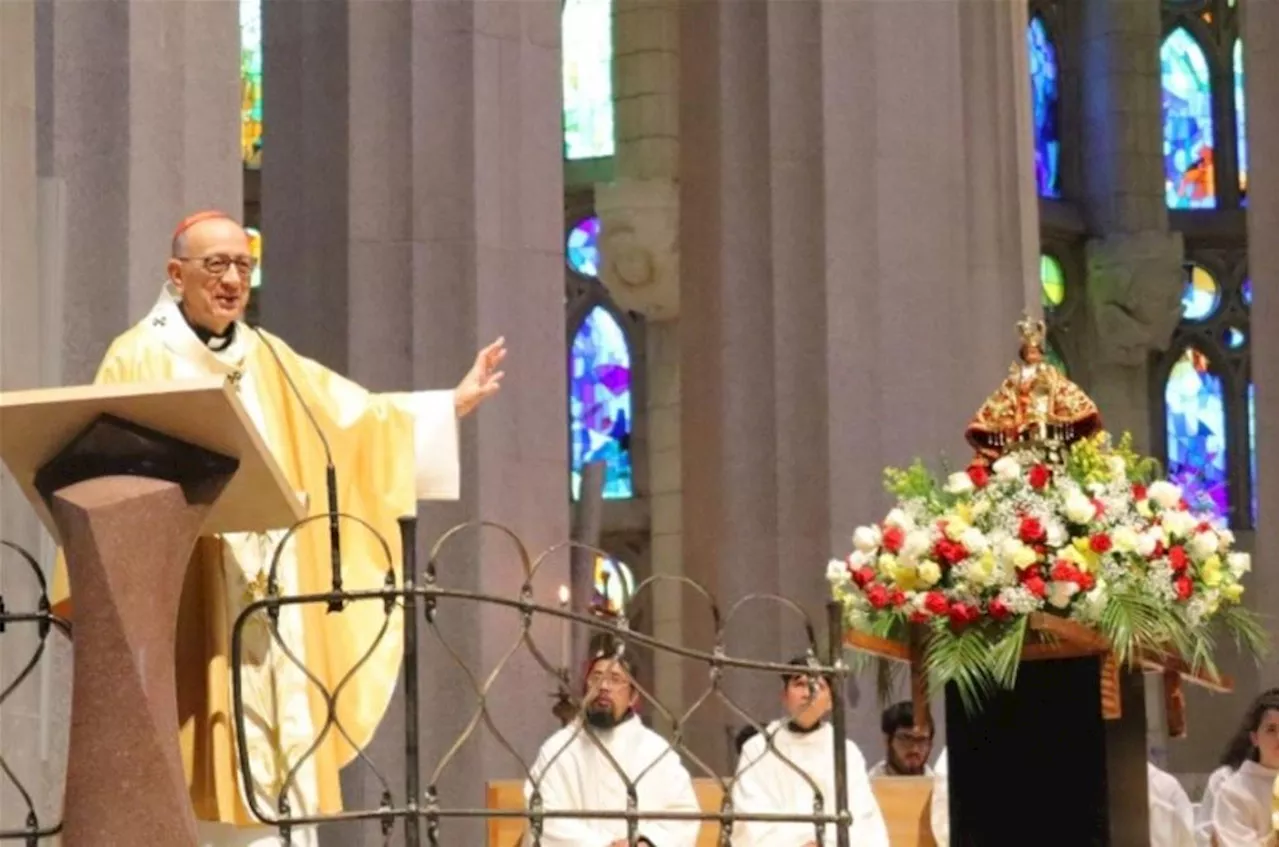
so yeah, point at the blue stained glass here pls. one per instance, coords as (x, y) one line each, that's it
(1200, 296)
(1043, 61)
(586, 36)
(251, 83)
(1242, 143)
(1196, 427)
(582, 248)
(1253, 462)
(1187, 112)
(1233, 338)
(600, 403)
(1246, 292)
(615, 585)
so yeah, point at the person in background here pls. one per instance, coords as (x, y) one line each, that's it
(1241, 812)
(1236, 753)
(1171, 815)
(906, 746)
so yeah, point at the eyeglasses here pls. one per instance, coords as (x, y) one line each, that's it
(613, 680)
(218, 264)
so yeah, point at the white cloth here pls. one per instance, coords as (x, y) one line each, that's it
(1242, 808)
(226, 835)
(1204, 809)
(574, 774)
(766, 784)
(939, 802)
(881, 768)
(1171, 817)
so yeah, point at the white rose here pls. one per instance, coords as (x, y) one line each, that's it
(866, 539)
(1060, 593)
(928, 573)
(837, 572)
(1116, 465)
(1009, 549)
(1203, 545)
(1079, 508)
(1125, 539)
(1225, 539)
(1006, 469)
(1178, 524)
(900, 519)
(959, 483)
(973, 540)
(857, 559)
(915, 544)
(1239, 564)
(1055, 534)
(1165, 493)
(1147, 543)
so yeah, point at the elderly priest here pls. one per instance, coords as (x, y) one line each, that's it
(389, 450)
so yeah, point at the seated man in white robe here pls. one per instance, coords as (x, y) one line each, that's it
(574, 771)
(906, 746)
(769, 779)
(1171, 817)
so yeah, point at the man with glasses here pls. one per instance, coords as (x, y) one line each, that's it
(389, 450)
(906, 746)
(587, 766)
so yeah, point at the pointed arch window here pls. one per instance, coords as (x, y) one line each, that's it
(1242, 144)
(251, 83)
(1043, 60)
(600, 407)
(1187, 119)
(587, 66)
(1196, 431)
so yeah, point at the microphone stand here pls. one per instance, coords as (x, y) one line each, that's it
(330, 477)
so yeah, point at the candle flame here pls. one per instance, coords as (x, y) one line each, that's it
(564, 595)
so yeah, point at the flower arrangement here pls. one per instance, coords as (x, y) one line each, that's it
(1089, 534)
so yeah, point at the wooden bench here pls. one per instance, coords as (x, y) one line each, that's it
(904, 802)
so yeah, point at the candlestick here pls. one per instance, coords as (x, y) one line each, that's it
(564, 630)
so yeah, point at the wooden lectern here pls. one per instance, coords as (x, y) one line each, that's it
(126, 477)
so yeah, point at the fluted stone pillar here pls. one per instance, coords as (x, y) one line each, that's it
(412, 193)
(851, 281)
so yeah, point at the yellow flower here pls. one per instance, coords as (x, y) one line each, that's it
(1144, 508)
(886, 564)
(964, 513)
(980, 569)
(1233, 592)
(1025, 557)
(1082, 554)
(956, 527)
(904, 576)
(928, 573)
(1211, 571)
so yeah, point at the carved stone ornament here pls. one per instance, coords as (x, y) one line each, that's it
(1135, 294)
(639, 259)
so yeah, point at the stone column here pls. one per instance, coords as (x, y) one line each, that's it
(422, 211)
(853, 282)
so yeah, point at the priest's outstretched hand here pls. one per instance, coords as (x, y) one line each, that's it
(482, 381)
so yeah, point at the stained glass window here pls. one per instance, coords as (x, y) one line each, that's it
(587, 43)
(1253, 462)
(1187, 114)
(600, 402)
(615, 585)
(1053, 285)
(1242, 143)
(251, 82)
(582, 247)
(255, 250)
(1043, 60)
(1195, 426)
(1200, 296)
(1246, 292)
(1233, 337)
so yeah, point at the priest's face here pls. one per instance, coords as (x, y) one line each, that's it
(211, 269)
(807, 699)
(610, 693)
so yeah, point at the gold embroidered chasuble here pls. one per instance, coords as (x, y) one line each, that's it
(389, 450)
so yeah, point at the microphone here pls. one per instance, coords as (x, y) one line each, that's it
(330, 475)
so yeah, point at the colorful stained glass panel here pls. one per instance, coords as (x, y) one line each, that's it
(251, 82)
(1246, 292)
(587, 64)
(1233, 338)
(1053, 284)
(1187, 112)
(600, 403)
(1242, 143)
(1200, 296)
(615, 585)
(255, 250)
(1196, 430)
(1253, 462)
(1043, 61)
(582, 248)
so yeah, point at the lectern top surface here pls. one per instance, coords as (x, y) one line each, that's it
(35, 425)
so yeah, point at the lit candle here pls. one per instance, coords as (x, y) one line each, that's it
(564, 628)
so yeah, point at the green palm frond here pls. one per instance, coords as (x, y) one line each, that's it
(1131, 621)
(1006, 654)
(962, 658)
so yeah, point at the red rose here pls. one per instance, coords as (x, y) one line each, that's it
(1098, 509)
(1139, 491)
(949, 552)
(1064, 571)
(1100, 543)
(1030, 530)
(896, 597)
(1039, 476)
(1158, 551)
(1183, 507)
(1086, 582)
(1035, 585)
(997, 610)
(979, 476)
(962, 615)
(919, 616)
(878, 596)
(1204, 526)
(1183, 586)
(892, 538)
(935, 602)
(863, 575)
(1177, 559)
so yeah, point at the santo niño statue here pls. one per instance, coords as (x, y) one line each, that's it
(1035, 406)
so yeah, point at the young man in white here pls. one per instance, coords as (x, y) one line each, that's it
(767, 781)
(574, 773)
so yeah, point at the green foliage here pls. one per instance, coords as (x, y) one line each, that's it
(916, 482)
(1139, 468)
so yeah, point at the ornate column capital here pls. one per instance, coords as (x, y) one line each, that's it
(1134, 287)
(639, 256)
